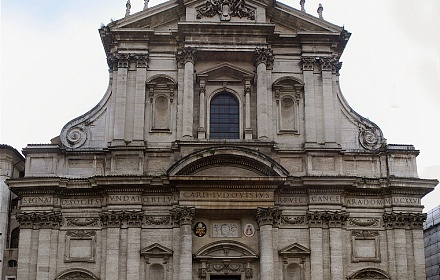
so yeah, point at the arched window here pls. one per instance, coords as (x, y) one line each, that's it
(15, 233)
(224, 117)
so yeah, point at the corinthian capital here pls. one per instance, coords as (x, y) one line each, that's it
(268, 216)
(308, 63)
(186, 54)
(264, 55)
(183, 215)
(38, 220)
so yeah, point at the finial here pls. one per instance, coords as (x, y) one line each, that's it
(302, 2)
(146, 4)
(320, 9)
(128, 7)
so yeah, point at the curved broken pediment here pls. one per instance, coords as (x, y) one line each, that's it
(251, 160)
(225, 249)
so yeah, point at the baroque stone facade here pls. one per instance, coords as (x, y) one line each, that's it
(222, 149)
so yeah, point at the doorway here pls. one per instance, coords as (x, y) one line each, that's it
(225, 277)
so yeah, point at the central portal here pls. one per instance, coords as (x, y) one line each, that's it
(225, 277)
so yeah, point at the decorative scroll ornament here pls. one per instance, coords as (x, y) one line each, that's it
(268, 216)
(404, 220)
(364, 233)
(264, 55)
(75, 137)
(370, 138)
(225, 9)
(37, 220)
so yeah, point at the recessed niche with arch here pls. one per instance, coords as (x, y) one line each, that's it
(288, 92)
(224, 116)
(160, 100)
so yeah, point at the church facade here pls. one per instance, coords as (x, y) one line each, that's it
(222, 149)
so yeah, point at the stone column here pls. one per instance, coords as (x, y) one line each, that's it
(184, 216)
(201, 133)
(139, 100)
(187, 57)
(316, 222)
(265, 218)
(328, 100)
(263, 59)
(247, 94)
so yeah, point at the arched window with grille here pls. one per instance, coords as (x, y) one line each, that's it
(224, 117)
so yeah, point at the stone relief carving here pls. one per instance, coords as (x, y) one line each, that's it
(38, 220)
(226, 229)
(404, 220)
(150, 220)
(82, 222)
(225, 9)
(363, 222)
(327, 218)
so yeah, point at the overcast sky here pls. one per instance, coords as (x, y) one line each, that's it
(53, 67)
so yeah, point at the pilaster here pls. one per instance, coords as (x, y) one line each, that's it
(400, 226)
(328, 99)
(38, 231)
(331, 221)
(308, 66)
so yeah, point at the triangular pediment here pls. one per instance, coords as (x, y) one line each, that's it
(294, 250)
(225, 72)
(167, 15)
(156, 250)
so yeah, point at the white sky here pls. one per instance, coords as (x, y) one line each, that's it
(53, 67)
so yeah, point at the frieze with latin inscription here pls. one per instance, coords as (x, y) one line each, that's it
(218, 195)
